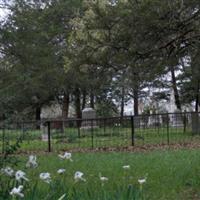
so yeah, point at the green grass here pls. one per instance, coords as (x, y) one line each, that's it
(171, 175)
(100, 137)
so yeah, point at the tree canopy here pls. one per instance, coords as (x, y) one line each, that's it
(100, 53)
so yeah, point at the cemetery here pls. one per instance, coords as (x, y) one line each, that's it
(91, 132)
(99, 100)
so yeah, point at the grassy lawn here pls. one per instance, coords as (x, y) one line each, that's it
(99, 137)
(170, 175)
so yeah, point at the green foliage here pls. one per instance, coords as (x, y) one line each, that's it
(161, 167)
(142, 36)
(106, 109)
(33, 40)
(7, 159)
(53, 48)
(8, 150)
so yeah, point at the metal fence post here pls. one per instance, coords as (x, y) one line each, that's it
(104, 126)
(79, 132)
(184, 122)
(92, 134)
(132, 131)
(168, 128)
(23, 131)
(49, 136)
(3, 135)
(3, 138)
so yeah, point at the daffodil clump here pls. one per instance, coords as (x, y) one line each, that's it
(21, 186)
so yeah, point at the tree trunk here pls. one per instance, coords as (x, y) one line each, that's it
(174, 86)
(135, 98)
(122, 103)
(37, 116)
(38, 112)
(65, 111)
(84, 99)
(78, 103)
(92, 100)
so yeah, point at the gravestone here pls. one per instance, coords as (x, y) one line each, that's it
(44, 129)
(177, 119)
(88, 118)
(154, 120)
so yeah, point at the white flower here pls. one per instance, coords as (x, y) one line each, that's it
(79, 176)
(17, 191)
(46, 177)
(66, 155)
(8, 171)
(19, 175)
(126, 167)
(61, 171)
(32, 162)
(62, 197)
(142, 181)
(103, 178)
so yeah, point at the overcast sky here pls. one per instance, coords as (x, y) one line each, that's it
(3, 13)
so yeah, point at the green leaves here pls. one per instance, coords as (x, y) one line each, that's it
(34, 42)
(57, 43)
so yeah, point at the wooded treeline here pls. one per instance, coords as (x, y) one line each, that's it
(100, 53)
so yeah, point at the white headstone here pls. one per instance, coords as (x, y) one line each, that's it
(88, 116)
(154, 120)
(176, 119)
(172, 106)
(44, 129)
(88, 113)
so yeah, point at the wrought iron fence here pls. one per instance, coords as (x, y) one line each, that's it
(55, 135)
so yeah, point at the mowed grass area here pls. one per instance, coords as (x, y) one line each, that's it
(171, 175)
(96, 138)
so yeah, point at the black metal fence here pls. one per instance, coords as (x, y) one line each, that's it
(56, 135)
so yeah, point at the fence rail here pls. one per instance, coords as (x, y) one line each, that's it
(55, 135)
